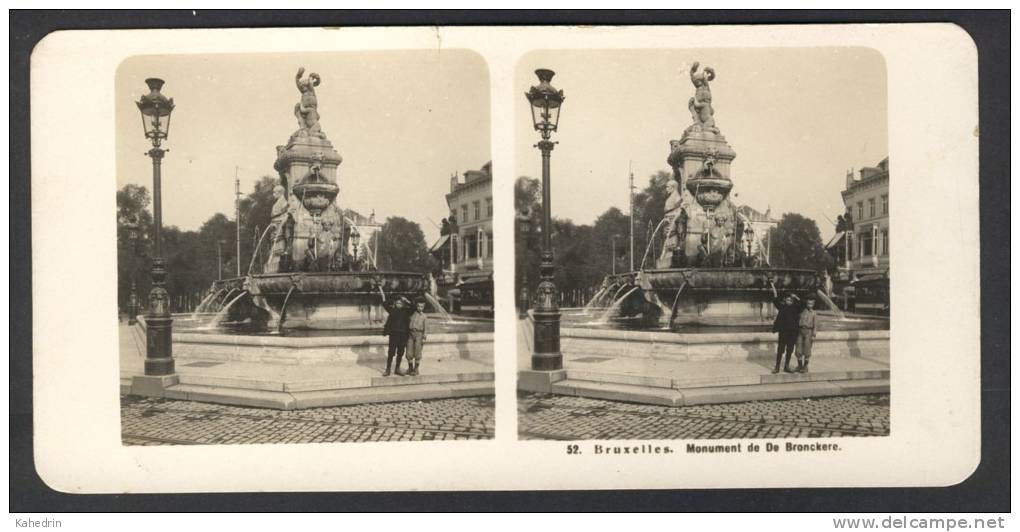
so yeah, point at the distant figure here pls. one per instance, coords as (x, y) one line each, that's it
(416, 337)
(787, 324)
(806, 335)
(850, 296)
(397, 327)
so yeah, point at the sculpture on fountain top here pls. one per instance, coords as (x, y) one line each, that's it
(700, 105)
(701, 157)
(307, 109)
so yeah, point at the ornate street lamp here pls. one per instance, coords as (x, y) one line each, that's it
(155, 109)
(546, 103)
(355, 240)
(133, 304)
(132, 226)
(524, 239)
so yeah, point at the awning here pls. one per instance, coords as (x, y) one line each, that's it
(836, 240)
(440, 243)
(475, 281)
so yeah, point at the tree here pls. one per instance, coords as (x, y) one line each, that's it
(402, 246)
(134, 227)
(527, 201)
(256, 214)
(797, 243)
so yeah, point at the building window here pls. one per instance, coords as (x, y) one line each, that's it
(478, 210)
(488, 207)
(489, 250)
(464, 213)
(885, 242)
(471, 246)
(871, 207)
(885, 204)
(866, 244)
(860, 211)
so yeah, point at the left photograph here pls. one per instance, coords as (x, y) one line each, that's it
(304, 247)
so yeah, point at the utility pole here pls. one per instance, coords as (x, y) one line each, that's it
(631, 170)
(237, 214)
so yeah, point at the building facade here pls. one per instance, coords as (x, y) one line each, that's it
(756, 243)
(866, 198)
(861, 243)
(464, 249)
(367, 228)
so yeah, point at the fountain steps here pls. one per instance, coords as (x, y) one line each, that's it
(311, 394)
(721, 380)
(301, 385)
(688, 369)
(717, 394)
(324, 398)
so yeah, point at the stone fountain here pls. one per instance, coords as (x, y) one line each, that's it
(704, 274)
(306, 270)
(692, 324)
(246, 343)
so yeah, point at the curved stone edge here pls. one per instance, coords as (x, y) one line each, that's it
(320, 341)
(709, 338)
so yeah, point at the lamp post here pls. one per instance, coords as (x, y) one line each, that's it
(614, 238)
(546, 102)
(132, 226)
(219, 259)
(749, 237)
(355, 239)
(155, 109)
(524, 236)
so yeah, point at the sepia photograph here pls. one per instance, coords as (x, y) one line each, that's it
(580, 257)
(703, 244)
(306, 255)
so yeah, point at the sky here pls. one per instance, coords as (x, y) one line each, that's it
(798, 119)
(403, 121)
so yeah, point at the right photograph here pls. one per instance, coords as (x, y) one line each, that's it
(702, 244)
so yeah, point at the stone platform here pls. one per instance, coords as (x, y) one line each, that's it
(230, 373)
(671, 369)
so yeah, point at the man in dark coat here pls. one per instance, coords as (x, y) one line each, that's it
(397, 327)
(787, 324)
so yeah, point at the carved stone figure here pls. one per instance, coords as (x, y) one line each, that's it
(307, 110)
(700, 105)
(671, 213)
(280, 206)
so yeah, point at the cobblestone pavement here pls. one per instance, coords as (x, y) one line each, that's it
(148, 421)
(546, 416)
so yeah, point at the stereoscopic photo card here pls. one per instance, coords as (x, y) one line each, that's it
(505, 258)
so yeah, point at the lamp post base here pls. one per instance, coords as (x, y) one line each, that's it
(159, 358)
(547, 361)
(547, 355)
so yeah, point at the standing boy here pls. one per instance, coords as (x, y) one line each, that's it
(806, 335)
(416, 338)
(396, 327)
(787, 324)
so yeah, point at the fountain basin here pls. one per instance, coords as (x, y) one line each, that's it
(321, 350)
(716, 346)
(712, 296)
(316, 300)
